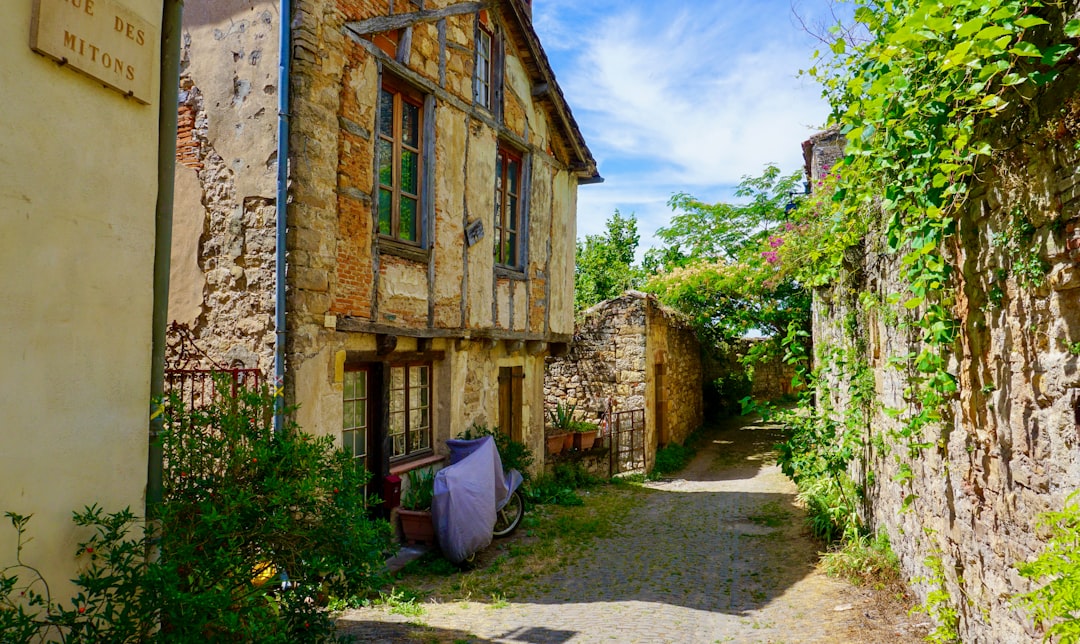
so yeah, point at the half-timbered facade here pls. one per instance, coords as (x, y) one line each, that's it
(434, 166)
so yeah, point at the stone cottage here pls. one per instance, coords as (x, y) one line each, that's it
(429, 195)
(632, 353)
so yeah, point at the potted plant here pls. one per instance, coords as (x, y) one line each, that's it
(560, 436)
(584, 434)
(415, 510)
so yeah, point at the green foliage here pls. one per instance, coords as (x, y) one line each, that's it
(561, 486)
(915, 102)
(421, 490)
(719, 262)
(603, 266)
(671, 458)
(939, 605)
(514, 455)
(1055, 604)
(562, 417)
(865, 560)
(243, 506)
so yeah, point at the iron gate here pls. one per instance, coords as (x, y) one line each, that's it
(627, 441)
(190, 381)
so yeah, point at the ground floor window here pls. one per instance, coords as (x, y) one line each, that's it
(409, 412)
(355, 417)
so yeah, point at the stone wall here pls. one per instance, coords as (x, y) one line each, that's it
(222, 282)
(613, 360)
(1007, 450)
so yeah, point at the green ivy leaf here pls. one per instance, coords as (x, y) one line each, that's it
(1028, 21)
(1072, 28)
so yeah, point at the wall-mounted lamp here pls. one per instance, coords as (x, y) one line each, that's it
(792, 194)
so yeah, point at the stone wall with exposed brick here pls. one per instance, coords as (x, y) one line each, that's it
(222, 281)
(1007, 450)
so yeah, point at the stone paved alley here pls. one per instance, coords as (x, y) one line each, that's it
(718, 554)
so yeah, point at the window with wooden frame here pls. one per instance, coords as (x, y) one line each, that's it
(400, 162)
(508, 219)
(354, 427)
(483, 71)
(409, 413)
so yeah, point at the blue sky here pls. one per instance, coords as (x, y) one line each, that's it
(682, 96)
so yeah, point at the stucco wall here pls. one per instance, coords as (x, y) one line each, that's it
(1007, 450)
(78, 184)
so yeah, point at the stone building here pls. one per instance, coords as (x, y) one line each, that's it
(1006, 450)
(632, 353)
(433, 166)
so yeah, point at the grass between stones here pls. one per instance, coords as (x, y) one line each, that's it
(550, 538)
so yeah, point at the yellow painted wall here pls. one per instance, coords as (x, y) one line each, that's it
(78, 182)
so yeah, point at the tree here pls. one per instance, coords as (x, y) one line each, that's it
(720, 262)
(604, 265)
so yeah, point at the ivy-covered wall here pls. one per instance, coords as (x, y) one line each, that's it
(960, 499)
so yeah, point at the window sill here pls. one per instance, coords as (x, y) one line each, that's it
(423, 461)
(390, 246)
(506, 272)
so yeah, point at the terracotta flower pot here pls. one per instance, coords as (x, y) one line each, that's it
(417, 526)
(584, 440)
(555, 443)
(568, 442)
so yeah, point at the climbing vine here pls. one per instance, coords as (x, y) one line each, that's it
(914, 102)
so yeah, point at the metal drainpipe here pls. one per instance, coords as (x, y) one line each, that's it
(168, 94)
(284, 53)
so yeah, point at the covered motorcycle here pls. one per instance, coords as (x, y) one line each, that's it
(470, 495)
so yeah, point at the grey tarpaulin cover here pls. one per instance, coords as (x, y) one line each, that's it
(467, 494)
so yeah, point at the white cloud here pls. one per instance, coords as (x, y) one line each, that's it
(689, 96)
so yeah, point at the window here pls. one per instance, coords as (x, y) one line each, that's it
(354, 426)
(508, 208)
(410, 410)
(482, 75)
(400, 163)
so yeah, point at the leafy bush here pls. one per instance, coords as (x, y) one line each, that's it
(561, 486)
(255, 529)
(514, 455)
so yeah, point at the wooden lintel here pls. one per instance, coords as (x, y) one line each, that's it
(352, 324)
(381, 24)
(385, 344)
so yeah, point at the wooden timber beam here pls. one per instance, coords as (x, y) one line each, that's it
(381, 24)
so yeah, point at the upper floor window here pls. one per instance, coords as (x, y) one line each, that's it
(508, 218)
(483, 72)
(400, 162)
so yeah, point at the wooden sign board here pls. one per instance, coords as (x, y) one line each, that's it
(100, 38)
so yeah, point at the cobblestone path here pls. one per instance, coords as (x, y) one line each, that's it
(719, 554)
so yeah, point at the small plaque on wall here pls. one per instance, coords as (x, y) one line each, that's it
(474, 232)
(100, 38)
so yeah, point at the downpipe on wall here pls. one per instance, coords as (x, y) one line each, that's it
(284, 62)
(168, 99)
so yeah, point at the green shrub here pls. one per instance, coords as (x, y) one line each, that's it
(255, 530)
(561, 486)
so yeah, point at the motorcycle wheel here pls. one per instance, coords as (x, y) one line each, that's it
(508, 518)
